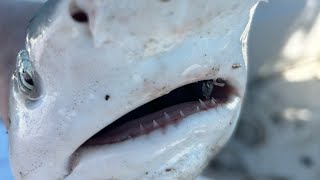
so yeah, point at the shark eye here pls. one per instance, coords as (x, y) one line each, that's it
(26, 80)
(26, 76)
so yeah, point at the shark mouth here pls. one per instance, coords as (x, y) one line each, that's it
(165, 110)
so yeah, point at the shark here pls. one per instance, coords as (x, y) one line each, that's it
(148, 89)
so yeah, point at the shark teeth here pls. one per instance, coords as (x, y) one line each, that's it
(182, 114)
(213, 101)
(166, 115)
(203, 105)
(141, 128)
(155, 124)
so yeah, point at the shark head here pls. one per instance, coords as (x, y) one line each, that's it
(127, 89)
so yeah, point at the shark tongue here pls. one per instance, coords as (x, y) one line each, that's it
(163, 111)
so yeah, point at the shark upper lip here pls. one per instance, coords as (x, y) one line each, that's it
(165, 110)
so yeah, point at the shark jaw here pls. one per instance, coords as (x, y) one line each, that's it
(93, 70)
(166, 110)
(162, 154)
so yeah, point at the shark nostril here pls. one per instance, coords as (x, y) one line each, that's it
(80, 16)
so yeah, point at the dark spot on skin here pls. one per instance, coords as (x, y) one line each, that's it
(236, 66)
(80, 16)
(215, 69)
(306, 161)
(164, 0)
(169, 169)
(147, 173)
(107, 97)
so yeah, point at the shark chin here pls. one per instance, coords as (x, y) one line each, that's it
(122, 90)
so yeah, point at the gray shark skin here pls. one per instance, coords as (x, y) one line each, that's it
(80, 74)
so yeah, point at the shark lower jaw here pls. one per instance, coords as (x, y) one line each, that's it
(178, 149)
(169, 109)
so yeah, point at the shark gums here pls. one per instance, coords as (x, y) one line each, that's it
(122, 89)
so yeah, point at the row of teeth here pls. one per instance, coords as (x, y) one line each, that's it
(218, 82)
(167, 116)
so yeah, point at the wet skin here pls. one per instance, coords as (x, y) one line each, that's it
(14, 18)
(41, 126)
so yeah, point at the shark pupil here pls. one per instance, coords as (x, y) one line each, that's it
(26, 81)
(27, 78)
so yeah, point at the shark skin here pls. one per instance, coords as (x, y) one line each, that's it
(14, 18)
(88, 63)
